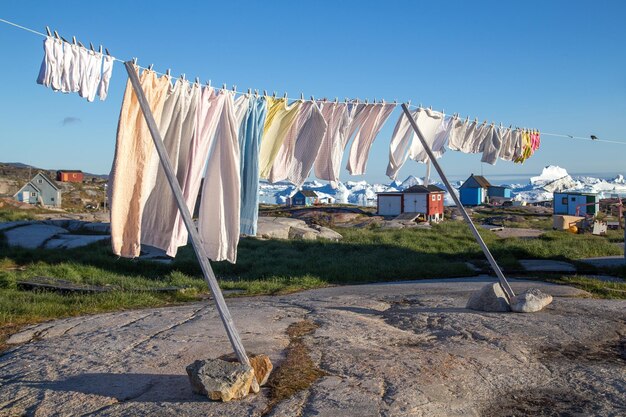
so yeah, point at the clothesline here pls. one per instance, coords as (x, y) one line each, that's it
(234, 90)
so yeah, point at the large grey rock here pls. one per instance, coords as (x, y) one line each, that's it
(326, 233)
(67, 241)
(302, 233)
(267, 228)
(530, 301)
(97, 227)
(32, 236)
(491, 297)
(219, 379)
(546, 265)
(12, 225)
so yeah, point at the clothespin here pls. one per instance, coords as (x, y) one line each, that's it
(395, 102)
(285, 95)
(301, 97)
(56, 34)
(208, 83)
(107, 51)
(265, 93)
(182, 77)
(91, 47)
(366, 101)
(167, 73)
(313, 98)
(408, 103)
(134, 59)
(336, 100)
(256, 92)
(48, 31)
(198, 80)
(81, 44)
(100, 50)
(150, 67)
(249, 91)
(74, 42)
(223, 86)
(274, 94)
(234, 88)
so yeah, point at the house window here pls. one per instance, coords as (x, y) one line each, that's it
(573, 198)
(51, 198)
(564, 200)
(432, 197)
(33, 194)
(438, 197)
(40, 181)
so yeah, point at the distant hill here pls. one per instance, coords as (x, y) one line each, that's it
(19, 170)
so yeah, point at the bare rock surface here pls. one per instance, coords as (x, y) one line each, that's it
(295, 229)
(546, 265)
(491, 297)
(530, 301)
(32, 236)
(220, 380)
(399, 349)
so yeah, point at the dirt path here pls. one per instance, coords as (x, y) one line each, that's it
(403, 349)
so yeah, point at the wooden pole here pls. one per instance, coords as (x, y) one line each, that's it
(196, 242)
(503, 282)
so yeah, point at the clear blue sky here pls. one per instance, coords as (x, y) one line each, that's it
(559, 66)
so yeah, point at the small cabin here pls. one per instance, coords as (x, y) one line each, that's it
(39, 190)
(419, 199)
(497, 191)
(68, 175)
(575, 203)
(304, 198)
(475, 191)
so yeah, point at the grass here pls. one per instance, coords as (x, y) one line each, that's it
(600, 289)
(297, 372)
(268, 267)
(12, 215)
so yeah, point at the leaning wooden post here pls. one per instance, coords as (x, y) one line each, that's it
(196, 242)
(503, 282)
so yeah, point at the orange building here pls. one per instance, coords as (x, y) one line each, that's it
(68, 175)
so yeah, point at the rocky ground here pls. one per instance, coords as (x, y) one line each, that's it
(403, 349)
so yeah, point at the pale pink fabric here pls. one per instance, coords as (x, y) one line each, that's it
(359, 151)
(218, 222)
(328, 162)
(130, 172)
(209, 109)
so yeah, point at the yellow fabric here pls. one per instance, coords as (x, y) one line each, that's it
(280, 118)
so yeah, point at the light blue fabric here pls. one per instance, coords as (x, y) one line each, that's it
(250, 134)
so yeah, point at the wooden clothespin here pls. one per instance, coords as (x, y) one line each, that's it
(150, 67)
(74, 42)
(234, 88)
(336, 100)
(91, 47)
(265, 93)
(198, 80)
(285, 95)
(274, 94)
(224, 86)
(313, 99)
(56, 35)
(249, 91)
(301, 97)
(100, 50)
(208, 83)
(256, 92)
(107, 51)
(167, 73)
(83, 46)
(134, 60)
(48, 31)
(182, 77)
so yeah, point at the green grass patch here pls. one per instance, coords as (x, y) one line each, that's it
(599, 288)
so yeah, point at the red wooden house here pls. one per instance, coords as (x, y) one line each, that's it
(419, 199)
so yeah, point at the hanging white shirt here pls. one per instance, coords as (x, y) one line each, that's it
(428, 122)
(401, 139)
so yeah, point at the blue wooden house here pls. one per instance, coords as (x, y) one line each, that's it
(497, 191)
(474, 191)
(40, 190)
(304, 198)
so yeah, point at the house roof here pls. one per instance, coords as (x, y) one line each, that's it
(479, 179)
(76, 171)
(419, 189)
(45, 177)
(308, 193)
(26, 185)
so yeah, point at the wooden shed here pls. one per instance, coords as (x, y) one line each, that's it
(69, 175)
(418, 199)
(304, 198)
(576, 203)
(474, 191)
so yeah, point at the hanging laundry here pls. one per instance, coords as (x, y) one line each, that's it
(492, 144)
(48, 64)
(241, 108)
(57, 74)
(458, 132)
(160, 209)
(507, 150)
(93, 74)
(75, 69)
(297, 154)
(218, 222)
(249, 143)
(67, 67)
(401, 139)
(478, 138)
(428, 122)
(328, 162)
(307, 144)
(359, 151)
(128, 181)
(280, 118)
(107, 71)
(208, 112)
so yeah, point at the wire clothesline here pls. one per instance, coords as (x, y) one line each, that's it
(592, 138)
